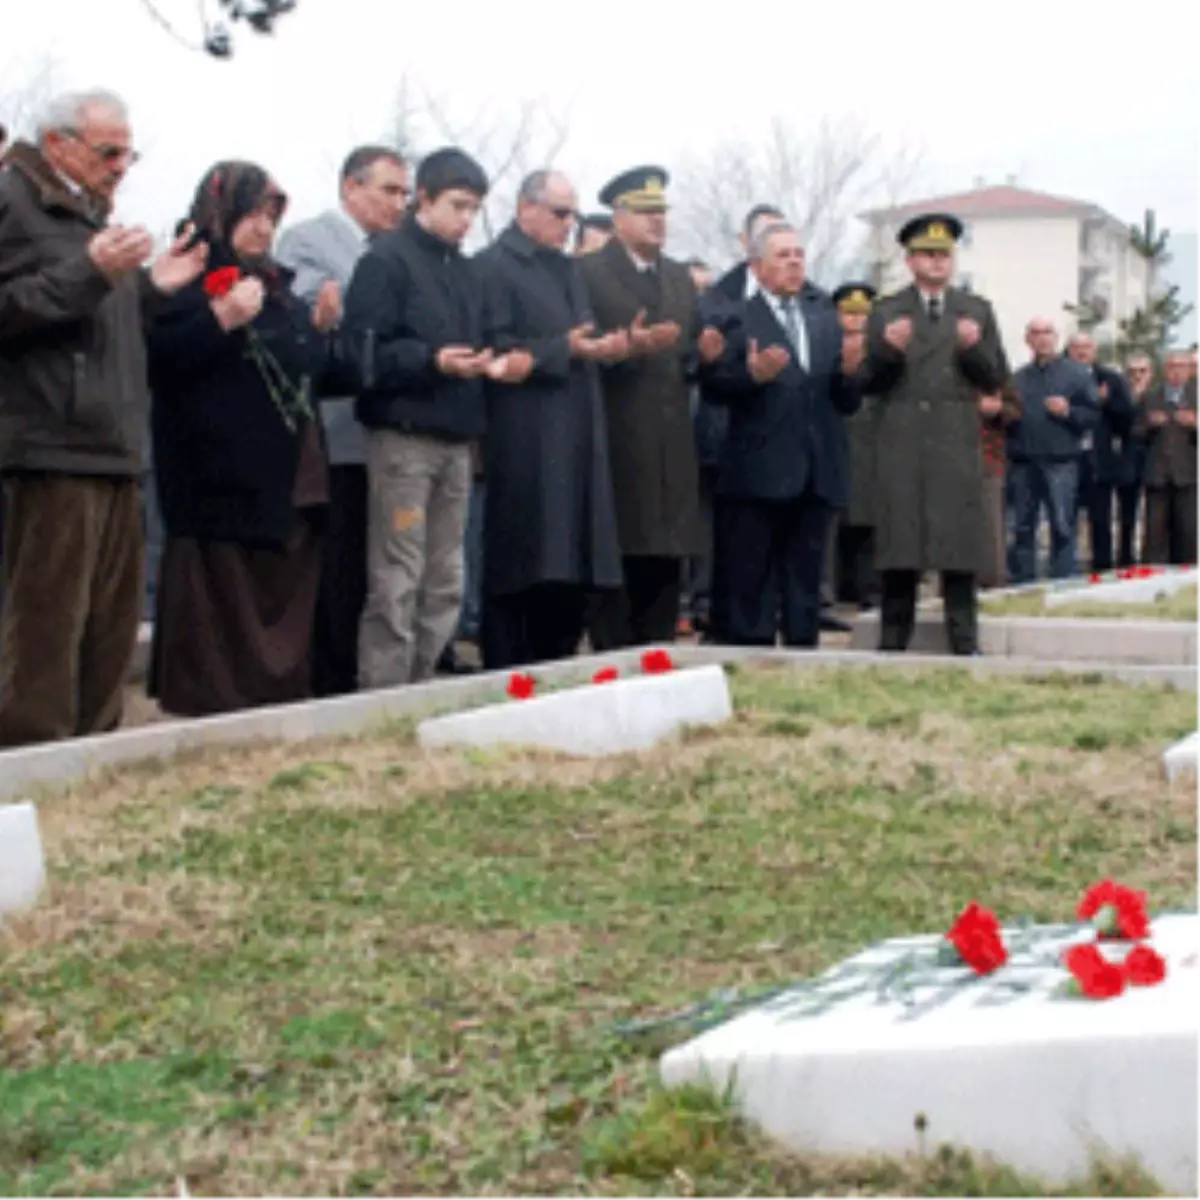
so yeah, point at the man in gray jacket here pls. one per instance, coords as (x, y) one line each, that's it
(73, 404)
(323, 253)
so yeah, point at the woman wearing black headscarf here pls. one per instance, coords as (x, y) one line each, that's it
(239, 464)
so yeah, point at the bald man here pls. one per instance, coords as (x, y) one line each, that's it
(1059, 407)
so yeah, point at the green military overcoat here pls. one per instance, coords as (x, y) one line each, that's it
(651, 445)
(927, 497)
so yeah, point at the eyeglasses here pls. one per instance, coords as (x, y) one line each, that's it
(560, 213)
(108, 154)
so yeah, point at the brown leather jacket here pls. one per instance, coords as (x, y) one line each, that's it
(73, 394)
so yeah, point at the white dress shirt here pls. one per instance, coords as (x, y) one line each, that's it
(777, 303)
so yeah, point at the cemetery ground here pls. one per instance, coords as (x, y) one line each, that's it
(357, 966)
(1177, 606)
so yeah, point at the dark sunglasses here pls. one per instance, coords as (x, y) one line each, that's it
(560, 213)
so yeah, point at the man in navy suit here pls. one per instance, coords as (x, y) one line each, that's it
(788, 380)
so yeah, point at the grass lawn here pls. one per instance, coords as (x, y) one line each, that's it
(357, 966)
(1180, 606)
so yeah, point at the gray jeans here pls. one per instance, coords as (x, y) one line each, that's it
(419, 490)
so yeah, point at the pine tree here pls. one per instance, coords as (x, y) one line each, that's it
(1151, 328)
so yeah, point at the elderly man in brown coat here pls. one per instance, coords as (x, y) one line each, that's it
(73, 415)
(932, 350)
(632, 285)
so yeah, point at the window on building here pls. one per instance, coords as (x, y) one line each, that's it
(965, 240)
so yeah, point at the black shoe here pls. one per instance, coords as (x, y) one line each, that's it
(451, 664)
(832, 624)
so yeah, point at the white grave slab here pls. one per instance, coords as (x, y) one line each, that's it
(22, 862)
(1126, 591)
(1181, 757)
(1001, 1064)
(607, 718)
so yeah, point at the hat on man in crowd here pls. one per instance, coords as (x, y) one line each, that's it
(600, 221)
(641, 189)
(854, 298)
(930, 231)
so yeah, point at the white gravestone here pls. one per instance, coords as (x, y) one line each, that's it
(1126, 591)
(1181, 757)
(1001, 1064)
(598, 718)
(22, 863)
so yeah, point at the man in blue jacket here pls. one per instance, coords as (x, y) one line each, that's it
(1059, 407)
(788, 379)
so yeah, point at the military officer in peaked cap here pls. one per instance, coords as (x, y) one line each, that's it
(934, 358)
(854, 572)
(633, 285)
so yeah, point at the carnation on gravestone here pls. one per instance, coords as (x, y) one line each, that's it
(1094, 976)
(976, 937)
(657, 662)
(1144, 967)
(520, 687)
(1116, 911)
(606, 675)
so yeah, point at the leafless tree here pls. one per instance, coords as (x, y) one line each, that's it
(821, 177)
(26, 88)
(509, 141)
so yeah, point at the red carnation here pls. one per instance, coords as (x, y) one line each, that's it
(1095, 577)
(657, 662)
(606, 675)
(1118, 912)
(1095, 975)
(1144, 967)
(976, 937)
(520, 687)
(220, 282)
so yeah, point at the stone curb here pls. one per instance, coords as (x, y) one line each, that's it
(1052, 639)
(23, 771)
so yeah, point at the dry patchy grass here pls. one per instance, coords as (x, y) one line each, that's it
(357, 966)
(1179, 606)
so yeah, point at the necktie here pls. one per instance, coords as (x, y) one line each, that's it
(935, 309)
(791, 319)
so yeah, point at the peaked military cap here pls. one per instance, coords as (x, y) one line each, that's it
(854, 297)
(596, 221)
(930, 231)
(641, 189)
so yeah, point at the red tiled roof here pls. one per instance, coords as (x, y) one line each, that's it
(1002, 200)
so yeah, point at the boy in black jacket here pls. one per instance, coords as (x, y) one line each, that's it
(414, 325)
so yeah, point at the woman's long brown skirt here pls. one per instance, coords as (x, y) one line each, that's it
(233, 627)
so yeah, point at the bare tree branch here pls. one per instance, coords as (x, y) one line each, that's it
(820, 177)
(25, 91)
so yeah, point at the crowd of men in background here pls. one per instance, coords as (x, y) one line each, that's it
(368, 446)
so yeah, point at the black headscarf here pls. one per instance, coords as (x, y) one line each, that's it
(228, 193)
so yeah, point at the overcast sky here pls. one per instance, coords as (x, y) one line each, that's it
(1065, 97)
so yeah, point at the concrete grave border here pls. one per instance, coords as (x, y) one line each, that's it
(58, 764)
(1050, 638)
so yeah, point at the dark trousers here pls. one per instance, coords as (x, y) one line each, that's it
(1170, 525)
(538, 624)
(898, 610)
(343, 588)
(645, 610)
(697, 570)
(857, 580)
(771, 556)
(1054, 486)
(1129, 496)
(1097, 497)
(72, 597)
